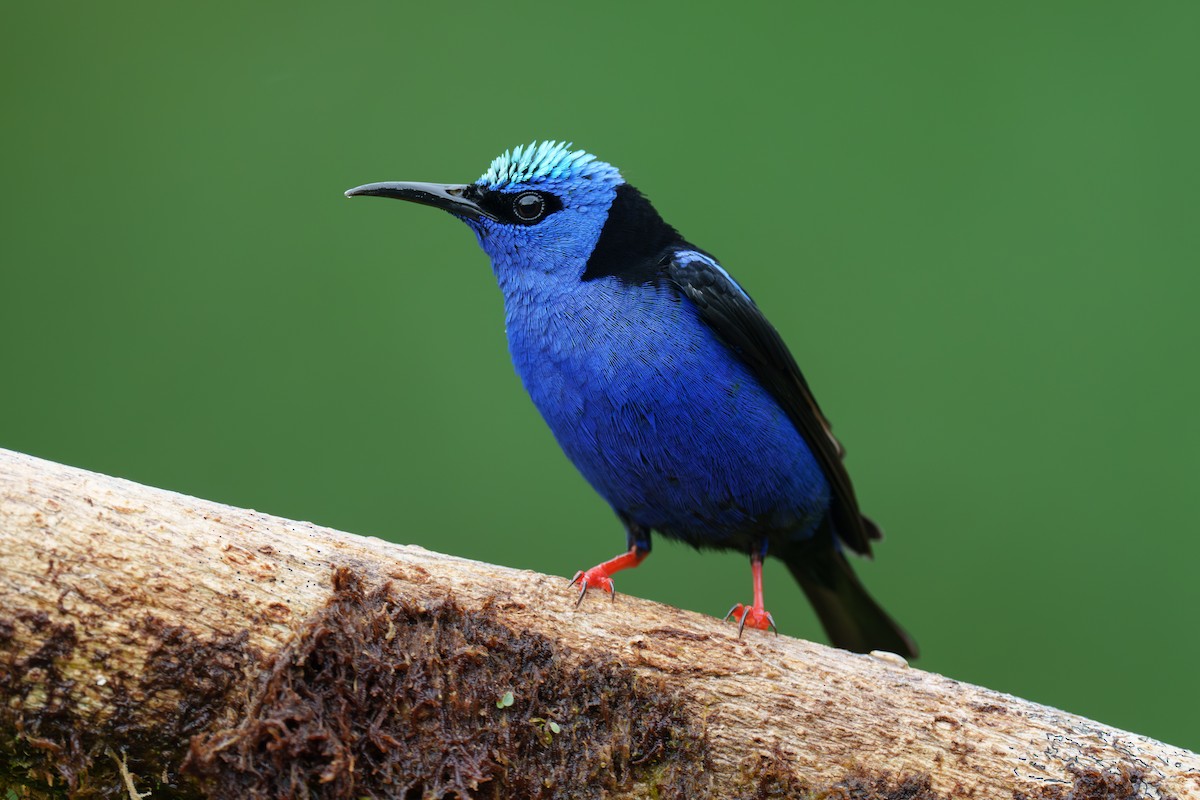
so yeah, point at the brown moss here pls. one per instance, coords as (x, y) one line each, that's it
(766, 778)
(1126, 783)
(769, 777)
(861, 785)
(61, 741)
(385, 698)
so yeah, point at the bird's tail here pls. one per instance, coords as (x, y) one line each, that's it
(853, 620)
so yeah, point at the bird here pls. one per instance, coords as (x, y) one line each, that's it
(664, 383)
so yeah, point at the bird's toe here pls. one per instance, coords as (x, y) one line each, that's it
(755, 617)
(594, 578)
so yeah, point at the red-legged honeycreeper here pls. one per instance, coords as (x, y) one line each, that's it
(664, 383)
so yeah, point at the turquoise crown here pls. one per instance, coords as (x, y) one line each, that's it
(550, 160)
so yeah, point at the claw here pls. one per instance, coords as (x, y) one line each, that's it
(594, 577)
(754, 616)
(600, 576)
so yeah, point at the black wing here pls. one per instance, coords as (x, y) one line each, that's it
(735, 318)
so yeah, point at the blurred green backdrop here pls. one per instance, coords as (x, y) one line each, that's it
(977, 227)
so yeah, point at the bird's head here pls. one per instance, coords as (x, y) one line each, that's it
(538, 207)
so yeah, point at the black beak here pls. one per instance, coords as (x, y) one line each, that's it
(448, 197)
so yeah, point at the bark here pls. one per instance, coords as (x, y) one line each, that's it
(151, 641)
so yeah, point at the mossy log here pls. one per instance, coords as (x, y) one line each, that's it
(155, 642)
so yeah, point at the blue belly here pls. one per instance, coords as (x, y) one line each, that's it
(662, 419)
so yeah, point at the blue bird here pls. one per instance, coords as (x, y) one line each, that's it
(664, 383)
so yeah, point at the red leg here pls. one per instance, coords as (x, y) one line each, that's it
(600, 576)
(754, 615)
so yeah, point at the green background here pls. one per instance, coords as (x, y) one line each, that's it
(976, 227)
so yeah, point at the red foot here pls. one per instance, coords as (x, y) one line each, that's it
(755, 617)
(594, 578)
(600, 576)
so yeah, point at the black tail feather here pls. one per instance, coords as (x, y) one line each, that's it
(853, 620)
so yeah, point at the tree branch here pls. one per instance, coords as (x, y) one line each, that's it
(155, 642)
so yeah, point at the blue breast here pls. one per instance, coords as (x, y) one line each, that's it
(661, 418)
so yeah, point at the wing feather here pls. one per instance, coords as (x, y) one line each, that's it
(737, 321)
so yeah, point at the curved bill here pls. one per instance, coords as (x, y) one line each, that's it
(448, 197)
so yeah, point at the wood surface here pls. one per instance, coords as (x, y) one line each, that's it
(180, 646)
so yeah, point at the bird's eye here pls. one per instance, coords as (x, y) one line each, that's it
(529, 206)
